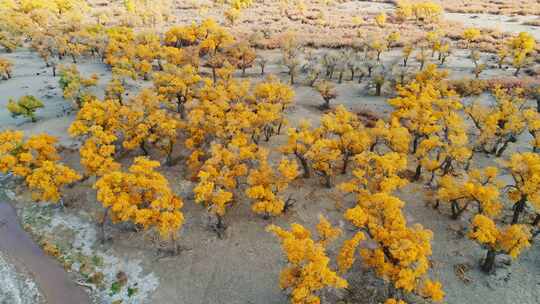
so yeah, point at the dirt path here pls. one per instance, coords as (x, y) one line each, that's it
(52, 280)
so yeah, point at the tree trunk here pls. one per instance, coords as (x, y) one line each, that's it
(326, 104)
(328, 181)
(415, 144)
(378, 89)
(345, 163)
(305, 166)
(503, 148)
(143, 148)
(489, 262)
(518, 209)
(312, 82)
(418, 172)
(220, 226)
(102, 225)
(536, 220)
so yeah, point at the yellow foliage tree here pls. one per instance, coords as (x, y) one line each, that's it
(267, 184)
(521, 46)
(374, 173)
(525, 171)
(219, 176)
(501, 123)
(74, 85)
(511, 240)
(98, 124)
(145, 122)
(348, 132)
(46, 182)
(25, 106)
(141, 196)
(36, 160)
(299, 142)
(401, 253)
(5, 68)
(481, 188)
(21, 156)
(177, 85)
(308, 270)
(414, 104)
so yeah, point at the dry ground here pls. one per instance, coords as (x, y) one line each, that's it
(243, 268)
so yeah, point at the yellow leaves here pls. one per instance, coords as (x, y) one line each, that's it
(274, 91)
(288, 169)
(324, 155)
(471, 34)
(394, 135)
(97, 152)
(511, 240)
(380, 19)
(266, 184)
(220, 201)
(36, 160)
(376, 173)
(145, 122)
(514, 239)
(428, 109)
(500, 123)
(484, 230)
(480, 188)
(212, 36)
(5, 68)
(142, 196)
(521, 46)
(525, 170)
(308, 270)
(25, 106)
(346, 255)
(357, 216)
(96, 113)
(177, 85)
(219, 175)
(21, 157)
(326, 232)
(300, 139)
(401, 252)
(74, 85)
(432, 290)
(46, 182)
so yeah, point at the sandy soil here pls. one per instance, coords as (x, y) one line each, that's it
(16, 286)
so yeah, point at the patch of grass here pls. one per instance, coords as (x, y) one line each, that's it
(115, 288)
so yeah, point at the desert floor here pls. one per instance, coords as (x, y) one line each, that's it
(244, 266)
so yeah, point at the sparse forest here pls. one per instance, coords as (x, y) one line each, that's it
(288, 151)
